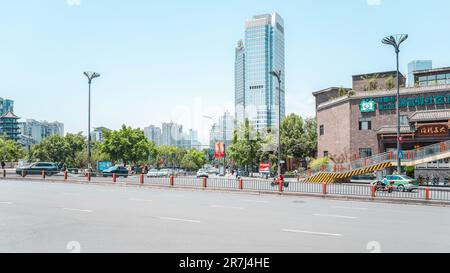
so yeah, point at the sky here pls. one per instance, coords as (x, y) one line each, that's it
(173, 60)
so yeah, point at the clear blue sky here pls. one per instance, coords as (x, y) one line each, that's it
(174, 60)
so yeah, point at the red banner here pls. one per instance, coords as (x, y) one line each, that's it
(219, 150)
(264, 167)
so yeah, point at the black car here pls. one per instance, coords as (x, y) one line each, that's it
(37, 168)
(119, 171)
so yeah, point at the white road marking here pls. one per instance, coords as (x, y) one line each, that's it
(312, 232)
(73, 194)
(337, 207)
(5, 203)
(140, 200)
(80, 210)
(178, 219)
(254, 201)
(335, 216)
(226, 207)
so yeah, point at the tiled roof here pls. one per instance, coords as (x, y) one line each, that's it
(431, 115)
(10, 115)
(392, 129)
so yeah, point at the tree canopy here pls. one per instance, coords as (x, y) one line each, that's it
(10, 150)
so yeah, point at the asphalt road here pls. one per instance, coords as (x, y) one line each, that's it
(57, 217)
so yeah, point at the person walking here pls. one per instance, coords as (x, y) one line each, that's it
(3, 165)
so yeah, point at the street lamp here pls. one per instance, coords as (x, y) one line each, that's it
(396, 41)
(277, 74)
(90, 76)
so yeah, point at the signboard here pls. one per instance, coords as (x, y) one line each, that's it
(103, 165)
(264, 167)
(367, 106)
(219, 150)
(433, 130)
(390, 102)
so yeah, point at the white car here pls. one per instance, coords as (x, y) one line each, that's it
(165, 172)
(153, 173)
(202, 173)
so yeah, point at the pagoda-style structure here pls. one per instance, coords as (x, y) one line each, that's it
(9, 126)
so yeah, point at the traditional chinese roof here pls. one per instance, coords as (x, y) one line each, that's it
(9, 115)
(392, 129)
(430, 115)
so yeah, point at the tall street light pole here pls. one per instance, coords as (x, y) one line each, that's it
(90, 76)
(396, 41)
(277, 74)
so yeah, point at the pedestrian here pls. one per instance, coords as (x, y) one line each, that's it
(3, 165)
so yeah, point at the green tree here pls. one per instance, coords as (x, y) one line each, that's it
(10, 151)
(342, 92)
(246, 147)
(390, 82)
(316, 164)
(127, 145)
(54, 148)
(170, 156)
(193, 160)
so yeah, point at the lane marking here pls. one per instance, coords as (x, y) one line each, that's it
(338, 207)
(254, 201)
(312, 232)
(6, 203)
(140, 200)
(80, 210)
(226, 207)
(178, 219)
(335, 216)
(72, 194)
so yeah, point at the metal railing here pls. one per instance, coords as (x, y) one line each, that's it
(245, 184)
(408, 156)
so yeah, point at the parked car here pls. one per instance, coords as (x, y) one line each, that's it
(37, 168)
(399, 182)
(202, 173)
(165, 172)
(153, 173)
(118, 170)
(213, 171)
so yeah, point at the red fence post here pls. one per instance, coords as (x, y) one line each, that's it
(335, 168)
(280, 184)
(65, 175)
(4, 173)
(141, 180)
(22, 173)
(241, 184)
(89, 176)
(324, 188)
(390, 155)
(427, 194)
(204, 182)
(114, 177)
(323, 168)
(43, 174)
(374, 190)
(171, 180)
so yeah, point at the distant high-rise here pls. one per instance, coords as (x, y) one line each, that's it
(171, 134)
(417, 66)
(6, 106)
(154, 134)
(256, 90)
(39, 130)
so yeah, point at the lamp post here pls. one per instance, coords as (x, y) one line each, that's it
(90, 76)
(277, 75)
(396, 41)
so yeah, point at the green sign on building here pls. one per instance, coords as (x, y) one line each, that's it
(367, 106)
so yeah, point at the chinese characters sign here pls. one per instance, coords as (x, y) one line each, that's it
(390, 102)
(433, 130)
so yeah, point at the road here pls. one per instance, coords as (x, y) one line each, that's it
(55, 217)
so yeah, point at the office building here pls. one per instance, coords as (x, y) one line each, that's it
(9, 127)
(39, 130)
(432, 77)
(418, 65)
(6, 105)
(97, 135)
(256, 90)
(171, 134)
(153, 134)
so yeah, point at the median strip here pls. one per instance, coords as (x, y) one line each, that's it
(178, 219)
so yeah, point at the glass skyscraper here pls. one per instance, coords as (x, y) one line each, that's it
(256, 90)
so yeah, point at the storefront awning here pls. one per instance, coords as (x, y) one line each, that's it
(430, 115)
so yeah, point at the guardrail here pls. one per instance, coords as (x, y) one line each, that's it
(243, 184)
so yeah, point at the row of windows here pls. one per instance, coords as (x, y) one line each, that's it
(363, 152)
(257, 87)
(366, 124)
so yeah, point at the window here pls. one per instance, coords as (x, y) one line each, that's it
(322, 130)
(404, 120)
(325, 153)
(365, 152)
(365, 124)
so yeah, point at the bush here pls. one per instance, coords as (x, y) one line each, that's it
(316, 164)
(410, 171)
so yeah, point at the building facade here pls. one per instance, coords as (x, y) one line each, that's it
(364, 123)
(37, 131)
(418, 65)
(256, 90)
(153, 133)
(432, 77)
(97, 135)
(6, 105)
(9, 126)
